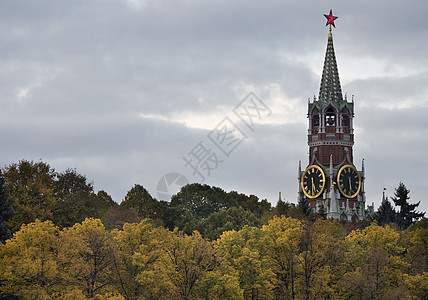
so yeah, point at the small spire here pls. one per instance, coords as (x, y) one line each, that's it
(383, 195)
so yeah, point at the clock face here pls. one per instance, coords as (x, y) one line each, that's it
(313, 181)
(349, 181)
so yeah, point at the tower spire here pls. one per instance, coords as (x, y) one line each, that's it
(330, 88)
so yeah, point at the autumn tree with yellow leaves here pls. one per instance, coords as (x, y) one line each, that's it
(284, 259)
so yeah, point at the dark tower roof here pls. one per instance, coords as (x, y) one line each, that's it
(330, 83)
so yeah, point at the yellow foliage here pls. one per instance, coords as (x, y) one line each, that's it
(375, 236)
(285, 259)
(28, 263)
(417, 285)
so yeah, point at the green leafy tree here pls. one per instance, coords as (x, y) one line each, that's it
(288, 209)
(30, 187)
(201, 200)
(102, 202)
(234, 218)
(139, 199)
(194, 202)
(250, 203)
(76, 199)
(407, 215)
(6, 212)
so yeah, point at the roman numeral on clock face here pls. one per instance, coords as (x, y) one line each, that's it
(349, 181)
(313, 181)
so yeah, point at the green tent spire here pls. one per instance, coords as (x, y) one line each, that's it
(330, 83)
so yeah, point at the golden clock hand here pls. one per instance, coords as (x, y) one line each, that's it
(313, 186)
(350, 186)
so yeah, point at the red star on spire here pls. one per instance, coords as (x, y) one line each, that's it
(330, 19)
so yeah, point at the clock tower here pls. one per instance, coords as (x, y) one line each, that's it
(331, 182)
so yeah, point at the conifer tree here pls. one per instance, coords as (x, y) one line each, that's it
(281, 207)
(321, 212)
(305, 207)
(385, 214)
(407, 214)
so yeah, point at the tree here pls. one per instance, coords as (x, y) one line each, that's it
(30, 187)
(373, 258)
(320, 253)
(244, 252)
(201, 200)
(407, 214)
(187, 261)
(250, 203)
(87, 258)
(385, 214)
(194, 202)
(6, 212)
(282, 207)
(321, 211)
(28, 262)
(233, 218)
(288, 209)
(304, 207)
(137, 272)
(282, 247)
(117, 216)
(76, 199)
(139, 199)
(416, 242)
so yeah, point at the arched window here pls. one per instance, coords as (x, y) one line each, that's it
(345, 121)
(345, 117)
(316, 120)
(330, 117)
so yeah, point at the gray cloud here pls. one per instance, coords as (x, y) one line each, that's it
(77, 77)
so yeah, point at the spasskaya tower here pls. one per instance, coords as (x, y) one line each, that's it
(331, 183)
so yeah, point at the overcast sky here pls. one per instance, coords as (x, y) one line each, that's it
(126, 90)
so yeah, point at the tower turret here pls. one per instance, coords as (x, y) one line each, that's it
(330, 141)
